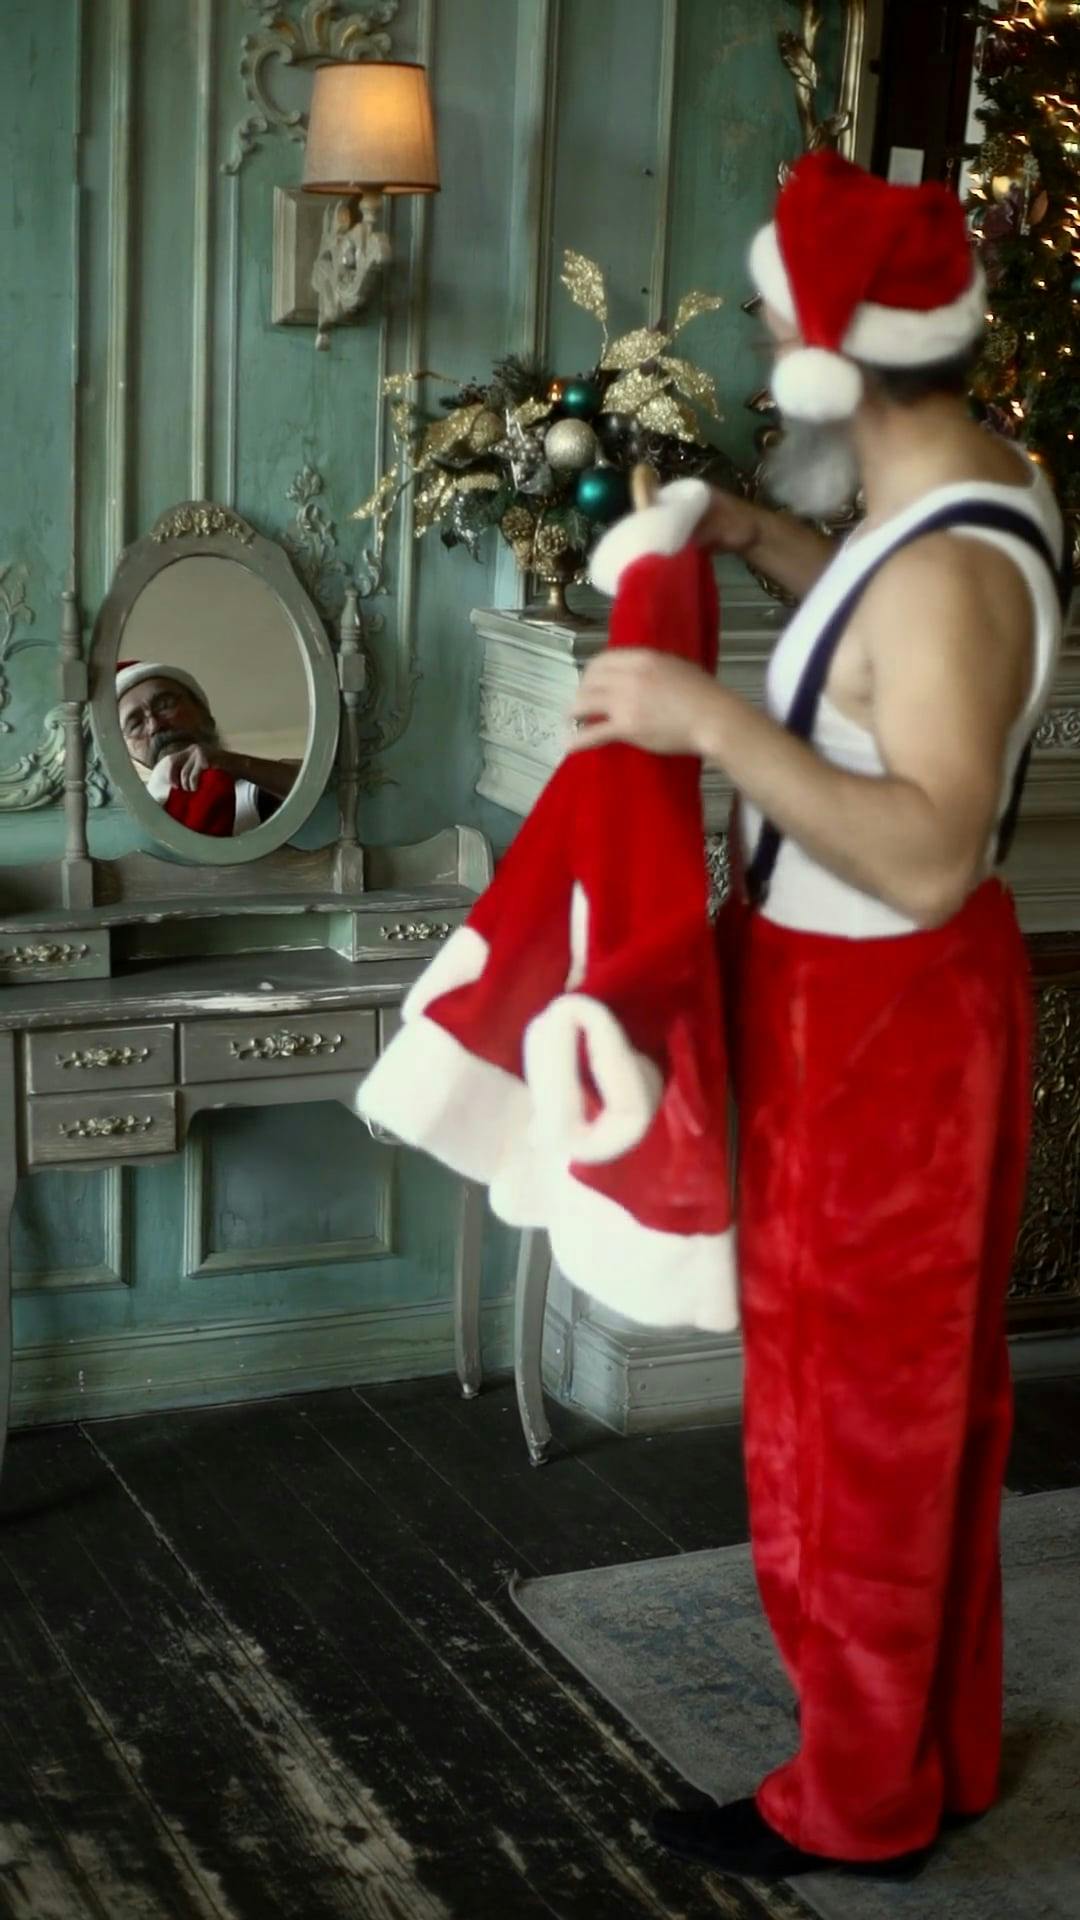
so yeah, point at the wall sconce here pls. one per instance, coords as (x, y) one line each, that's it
(370, 133)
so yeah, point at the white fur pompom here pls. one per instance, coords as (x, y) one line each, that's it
(810, 383)
(664, 527)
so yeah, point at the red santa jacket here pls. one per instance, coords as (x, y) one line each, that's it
(566, 1048)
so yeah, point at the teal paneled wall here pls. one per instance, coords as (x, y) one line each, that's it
(136, 235)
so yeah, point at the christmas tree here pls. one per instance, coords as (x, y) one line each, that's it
(1025, 203)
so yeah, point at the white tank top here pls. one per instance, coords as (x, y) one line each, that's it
(802, 894)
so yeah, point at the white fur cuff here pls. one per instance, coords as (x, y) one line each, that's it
(628, 1083)
(664, 528)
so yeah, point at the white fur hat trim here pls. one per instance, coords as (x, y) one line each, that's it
(810, 383)
(141, 670)
(881, 336)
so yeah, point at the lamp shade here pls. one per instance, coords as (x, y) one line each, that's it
(371, 129)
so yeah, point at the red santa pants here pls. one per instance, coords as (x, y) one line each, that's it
(884, 1107)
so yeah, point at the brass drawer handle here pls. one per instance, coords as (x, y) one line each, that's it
(286, 1046)
(409, 930)
(106, 1125)
(44, 954)
(86, 1058)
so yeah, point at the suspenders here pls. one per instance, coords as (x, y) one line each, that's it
(803, 710)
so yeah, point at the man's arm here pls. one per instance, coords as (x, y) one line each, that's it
(947, 628)
(270, 776)
(784, 549)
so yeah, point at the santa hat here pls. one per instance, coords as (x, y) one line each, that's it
(868, 272)
(131, 673)
(566, 1048)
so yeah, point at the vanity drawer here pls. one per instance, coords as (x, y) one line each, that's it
(256, 1049)
(100, 1058)
(33, 958)
(389, 933)
(65, 1127)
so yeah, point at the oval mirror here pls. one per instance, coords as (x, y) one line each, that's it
(214, 695)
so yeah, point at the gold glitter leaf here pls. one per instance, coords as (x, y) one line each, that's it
(693, 304)
(444, 435)
(372, 508)
(584, 282)
(697, 385)
(401, 417)
(629, 351)
(432, 502)
(668, 414)
(632, 390)
(477, 482)
(530, 411)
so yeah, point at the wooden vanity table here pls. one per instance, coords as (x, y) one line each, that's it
(140, 992)
(112, 1072)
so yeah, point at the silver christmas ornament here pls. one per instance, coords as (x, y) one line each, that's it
(570, 446)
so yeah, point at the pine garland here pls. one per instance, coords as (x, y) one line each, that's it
(1026, 211)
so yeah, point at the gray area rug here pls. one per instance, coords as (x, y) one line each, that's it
(679, 1646)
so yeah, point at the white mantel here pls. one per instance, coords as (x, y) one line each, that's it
(531, 668)
(637, 1378)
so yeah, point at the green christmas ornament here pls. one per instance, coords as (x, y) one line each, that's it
(602, 493)
(582, 399)
(1076, 283)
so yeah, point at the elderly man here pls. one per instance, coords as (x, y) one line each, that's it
(169, 732)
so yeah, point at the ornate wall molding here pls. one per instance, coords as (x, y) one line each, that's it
(516, 722)
(1060, 731)
(1046, 1266)
(324, 30)
(201, 518)
(15, 611)
(718, 865)
(37, 779)
(311, 543)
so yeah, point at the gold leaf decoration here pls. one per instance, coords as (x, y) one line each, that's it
(584, 282)
(692, 305)
(644, 343)
(396, 384)
(432, 501)
(697, 385)
(444, 435)
(632, 391)
(401, 420)
(668, 414)
(477, 482)
(530, 411)
(373, 507)
(486, 431)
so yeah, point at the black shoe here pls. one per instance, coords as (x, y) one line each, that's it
(952, 1822)
(736, 1839)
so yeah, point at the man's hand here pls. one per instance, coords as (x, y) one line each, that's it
(729, 524)
(644, 699)
(186, 768)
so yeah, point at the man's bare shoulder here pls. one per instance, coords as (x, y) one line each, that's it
(954, 592)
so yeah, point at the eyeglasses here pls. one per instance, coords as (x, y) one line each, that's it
(158, 708)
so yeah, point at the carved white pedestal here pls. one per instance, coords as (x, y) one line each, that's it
(636, 1378)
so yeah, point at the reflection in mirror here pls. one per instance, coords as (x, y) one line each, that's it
(212, 695)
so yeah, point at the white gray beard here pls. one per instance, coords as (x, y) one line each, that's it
(813, 469)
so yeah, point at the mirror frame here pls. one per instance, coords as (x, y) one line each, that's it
(204, 530)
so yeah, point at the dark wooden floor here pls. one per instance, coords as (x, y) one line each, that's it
(261, 1662)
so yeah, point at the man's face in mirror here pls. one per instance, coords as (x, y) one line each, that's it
(159, 717)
